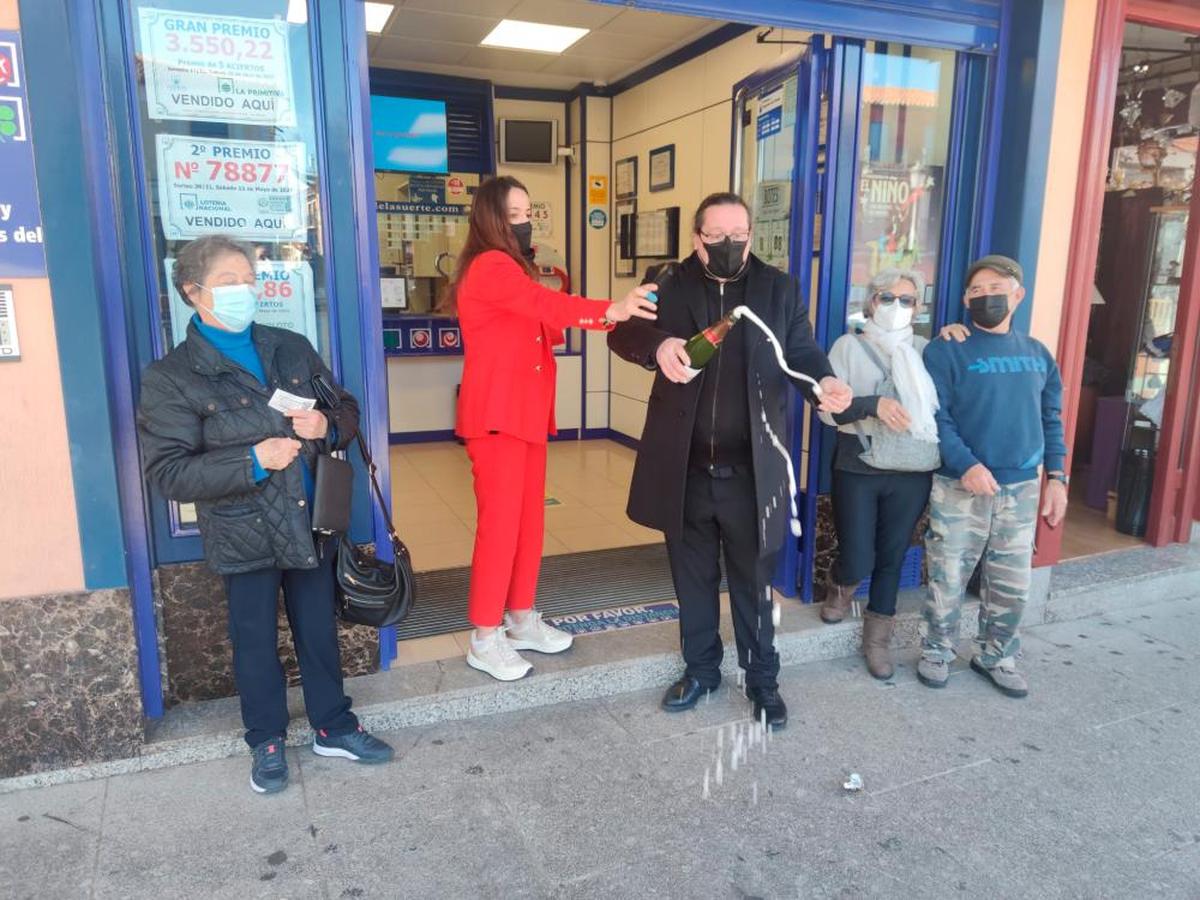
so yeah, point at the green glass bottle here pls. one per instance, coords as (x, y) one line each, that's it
(702, 347)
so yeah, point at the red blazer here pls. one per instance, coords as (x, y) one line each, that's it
(509, 325)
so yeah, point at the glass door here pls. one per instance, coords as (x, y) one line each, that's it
(850, 161)
(225, 142)
(774, 169)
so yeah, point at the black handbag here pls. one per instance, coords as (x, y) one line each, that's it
(333, 488)
(367, 590)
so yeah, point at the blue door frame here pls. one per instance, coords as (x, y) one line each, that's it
(87, 129)
(81, 114)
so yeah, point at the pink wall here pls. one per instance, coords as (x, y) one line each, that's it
(39, 534)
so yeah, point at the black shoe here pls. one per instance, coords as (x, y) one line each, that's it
(359, 745)
(768, 699)
(269, 768)
(684, 694)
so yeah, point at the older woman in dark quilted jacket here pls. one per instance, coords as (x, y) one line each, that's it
(212, 434)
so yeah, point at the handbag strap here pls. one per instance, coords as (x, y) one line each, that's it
(327, 395)
(376, 489)
(866, 347)
(873, 356)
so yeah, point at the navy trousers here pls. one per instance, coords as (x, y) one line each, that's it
(257, 671)
(874, 516)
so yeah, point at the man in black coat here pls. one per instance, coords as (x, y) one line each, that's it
(708, 474)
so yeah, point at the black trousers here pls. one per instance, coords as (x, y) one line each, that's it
(874, 516)
(253, 631)
(720, 517)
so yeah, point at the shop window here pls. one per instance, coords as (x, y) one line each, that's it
(228, 146)
(769, 145)
(1141, 269)
(905, 112)
(422, 221)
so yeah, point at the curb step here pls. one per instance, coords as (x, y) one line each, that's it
(631, 660)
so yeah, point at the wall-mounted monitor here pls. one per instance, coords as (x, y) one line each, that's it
(409, 135)
(529, 142)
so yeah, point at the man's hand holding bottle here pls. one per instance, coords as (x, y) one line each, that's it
(673, 360)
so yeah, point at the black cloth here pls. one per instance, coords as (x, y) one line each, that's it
(848, 446)
(846, 454)
(722, 433)
(656, 497)
(253, 631)
(874, 516)
(721, 518)
(199, 415)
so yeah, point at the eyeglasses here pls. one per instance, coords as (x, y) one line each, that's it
(716, 237)
(887, 298)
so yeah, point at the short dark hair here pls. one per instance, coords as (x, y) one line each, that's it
(194, 258)
(721, 198)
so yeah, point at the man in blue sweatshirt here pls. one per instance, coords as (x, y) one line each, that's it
(999, 423)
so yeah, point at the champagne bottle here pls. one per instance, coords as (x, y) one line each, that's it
(702, 347)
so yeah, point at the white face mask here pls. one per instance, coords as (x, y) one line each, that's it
(892, 316)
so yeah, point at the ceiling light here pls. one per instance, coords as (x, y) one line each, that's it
(297, 12)
(377, 15)
(516, 35)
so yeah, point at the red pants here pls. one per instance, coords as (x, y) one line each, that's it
(510, 494)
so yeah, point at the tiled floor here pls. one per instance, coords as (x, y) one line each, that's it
(434, 506)
(434, 502)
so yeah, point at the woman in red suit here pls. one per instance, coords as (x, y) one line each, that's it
(509, 324)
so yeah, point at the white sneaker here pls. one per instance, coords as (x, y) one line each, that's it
(534, 634)
(495, 655)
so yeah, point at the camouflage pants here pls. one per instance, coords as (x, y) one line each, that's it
(963, 527)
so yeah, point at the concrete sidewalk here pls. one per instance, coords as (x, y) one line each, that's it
(1088, 788)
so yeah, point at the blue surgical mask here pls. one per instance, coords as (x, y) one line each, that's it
(233, 305)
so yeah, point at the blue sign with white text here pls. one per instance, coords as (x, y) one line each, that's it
(613, 619)
(770, 122)
(396, 207)
(21, 251)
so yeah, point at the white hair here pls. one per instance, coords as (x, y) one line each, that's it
(885, 278)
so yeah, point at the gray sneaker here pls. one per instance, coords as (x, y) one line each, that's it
(1004, 676)
(933, 673)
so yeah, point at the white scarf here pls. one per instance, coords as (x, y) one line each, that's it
(917, 394)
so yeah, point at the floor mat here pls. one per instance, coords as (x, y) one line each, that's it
(570, 583)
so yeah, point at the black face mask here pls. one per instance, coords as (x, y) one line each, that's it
(990, 310)
(725, 257)
(524, 235)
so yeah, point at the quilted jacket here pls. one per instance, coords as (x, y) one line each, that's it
(199, 415)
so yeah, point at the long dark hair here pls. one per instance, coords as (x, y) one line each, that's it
(488, 229)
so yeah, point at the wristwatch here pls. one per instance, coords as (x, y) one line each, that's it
(1059, 476)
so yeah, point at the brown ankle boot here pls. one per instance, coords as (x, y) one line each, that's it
(836, 605)
(877, 643)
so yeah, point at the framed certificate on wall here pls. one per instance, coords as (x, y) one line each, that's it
(625, 257)
(625, 175)
(662, 168)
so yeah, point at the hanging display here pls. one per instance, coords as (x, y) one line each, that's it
(205, 68)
